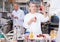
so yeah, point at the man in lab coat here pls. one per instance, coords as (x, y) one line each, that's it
(32, 21)
(17, 16)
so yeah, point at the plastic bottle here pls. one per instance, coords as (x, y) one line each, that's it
(31, 35)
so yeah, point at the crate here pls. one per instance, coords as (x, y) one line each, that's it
(2, 40)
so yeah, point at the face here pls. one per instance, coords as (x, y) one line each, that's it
(32, 7)
(16, 6)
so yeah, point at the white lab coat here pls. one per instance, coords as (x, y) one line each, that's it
(18, 22)
(20, 14)
(34, 27)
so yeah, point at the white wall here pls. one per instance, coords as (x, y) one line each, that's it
(55, 5)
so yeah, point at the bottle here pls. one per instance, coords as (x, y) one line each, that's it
(31, 35)
(53, 40)
(53, 34)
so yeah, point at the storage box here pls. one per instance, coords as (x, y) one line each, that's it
(13, 40)
(2, 40)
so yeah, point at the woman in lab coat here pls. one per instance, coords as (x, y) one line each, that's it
(32, 20)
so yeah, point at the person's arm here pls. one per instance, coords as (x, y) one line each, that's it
(28, 22)
(13, 16)
(31, 20)
(22, 16)
(25, 22)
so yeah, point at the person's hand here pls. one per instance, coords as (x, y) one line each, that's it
(16, 17)
(34, 19)
(12, 15)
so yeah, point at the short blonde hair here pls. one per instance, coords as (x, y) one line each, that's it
(15, 3)
(31, 3)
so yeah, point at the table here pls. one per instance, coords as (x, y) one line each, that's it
(37, 39)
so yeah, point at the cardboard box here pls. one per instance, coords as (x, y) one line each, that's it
(2, 40)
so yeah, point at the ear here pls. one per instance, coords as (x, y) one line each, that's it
(29, 9)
